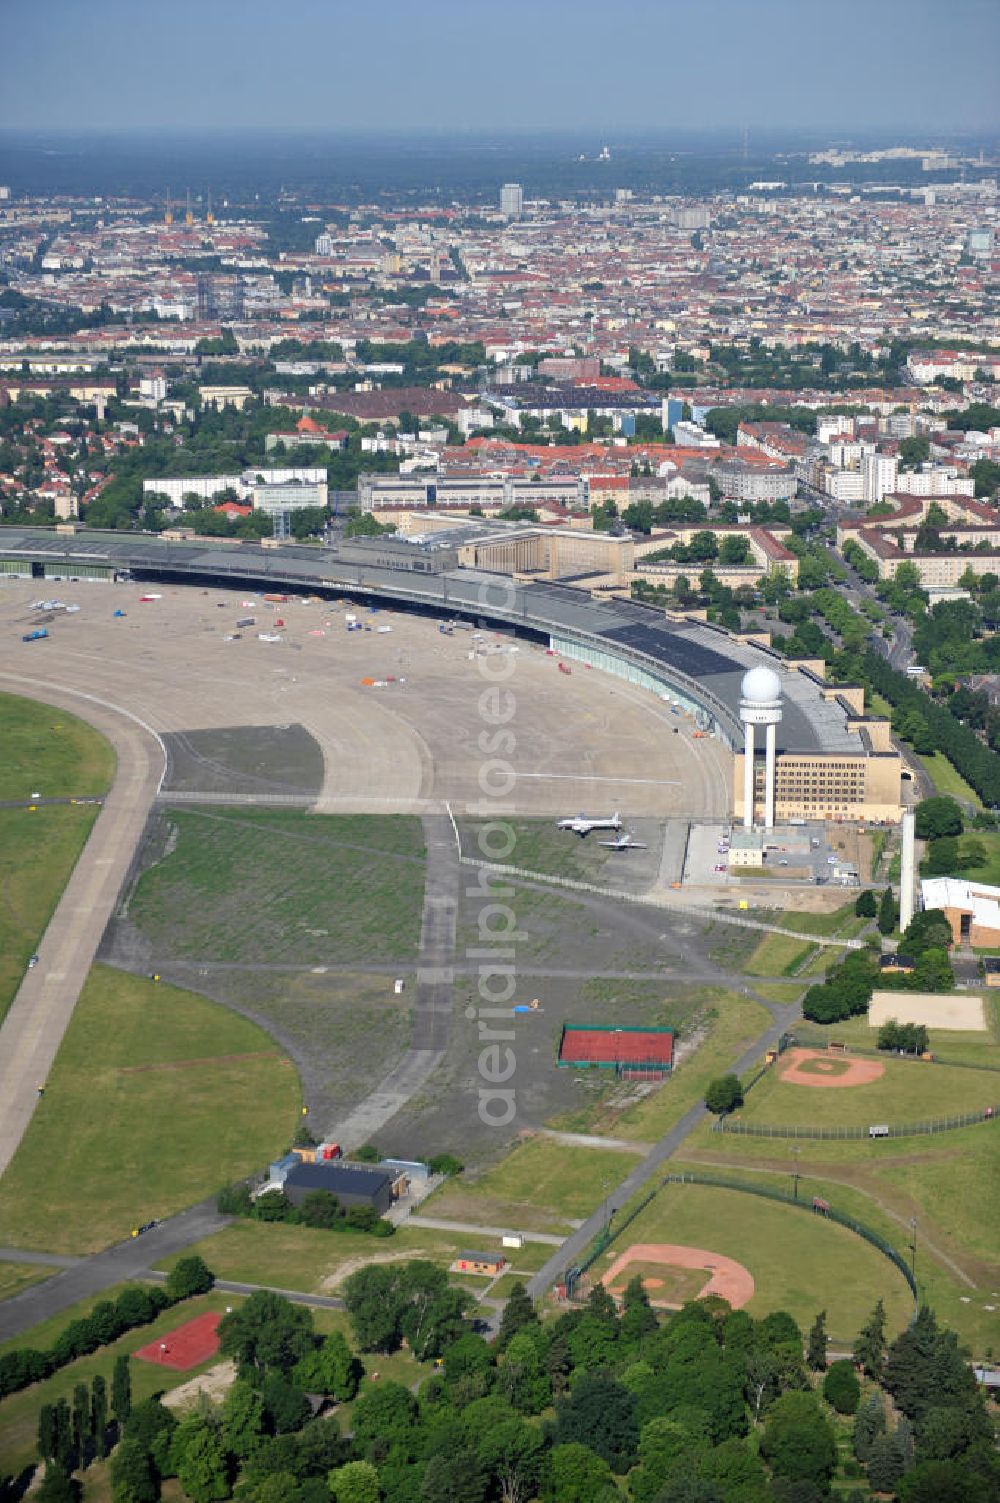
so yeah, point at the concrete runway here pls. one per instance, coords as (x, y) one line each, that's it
(43, 1006)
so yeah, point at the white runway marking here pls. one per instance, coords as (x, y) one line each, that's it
(593, 777)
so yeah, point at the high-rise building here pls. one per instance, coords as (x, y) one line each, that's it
(512, 200)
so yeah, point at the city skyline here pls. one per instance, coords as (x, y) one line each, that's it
(112, 66)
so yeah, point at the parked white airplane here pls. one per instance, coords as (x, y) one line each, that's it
(581, 825)
(624, 843)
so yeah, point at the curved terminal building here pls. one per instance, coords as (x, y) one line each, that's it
(820, 756)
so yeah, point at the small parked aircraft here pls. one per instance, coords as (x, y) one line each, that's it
(581, 825)
(624, 843)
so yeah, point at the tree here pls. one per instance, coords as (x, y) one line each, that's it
(885, 1463)
(383, 1416)
(638, 1315)
(266, 1331)
(869, 1423)
(888, 912)
(132, 1476)
(578, 1476)
(456, 1477)
(944, 1482)
(869, 1346)
(99, 1415)
(938, 816)
(47, 1432)
(521, 1377)
(816, 1344)
(285, 1405)
(81, 1422)
(924, 1369)
(320, 1209)
(602, 1415)
(56, 1486)
(724, 1094)
(121, 1389)
(331, 1368)
(189, 1276)
(866, 906)
(798, 1442)
(242, 1418)
(357, 1482)
(152, 1425)
(518, 1314)
(841, 1387)
(201, 1461)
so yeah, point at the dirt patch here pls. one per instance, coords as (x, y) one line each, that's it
(214, 1384)
(351, 1265)
(726, 1277)
(961, 1014)
(810, 1067)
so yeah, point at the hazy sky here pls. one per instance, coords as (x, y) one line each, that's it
(487, 64)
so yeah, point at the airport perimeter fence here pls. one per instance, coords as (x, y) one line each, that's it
(884, 1130)
(689, 910)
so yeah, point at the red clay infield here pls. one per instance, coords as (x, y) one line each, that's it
(811, 1067)
(186, 1346)
(726, 1277)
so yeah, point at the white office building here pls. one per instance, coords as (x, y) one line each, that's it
(512, 200)
(879, 472)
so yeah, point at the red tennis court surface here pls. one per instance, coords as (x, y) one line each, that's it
(187, 1345)
(649, 1048)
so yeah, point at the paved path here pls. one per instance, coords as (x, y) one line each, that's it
(437, 1224)
(577, 1242)
(38, 1018)
(90, 1276)
(43, 1259)
(432, 1007)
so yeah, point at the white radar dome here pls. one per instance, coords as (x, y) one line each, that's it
(761, 686)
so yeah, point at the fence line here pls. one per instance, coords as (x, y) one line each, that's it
(707, 915)
(610, 1234)
(891, 1130)
(830, 1213)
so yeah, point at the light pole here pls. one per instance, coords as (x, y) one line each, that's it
(913, 1248)
(795, 1172)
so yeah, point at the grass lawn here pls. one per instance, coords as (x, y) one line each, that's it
(541, 1185)
(301, 1257)
(279, 884)
(947, 779)
(800, 1262)
(908, 1091)
(780, 991)
(17, 1276)
(38, 852)
(540, 847)
(776, 955)
(157, 1097)
(19, 1412)
(990, 873)
(47, 751)
(952, 1046)
(948, 1184)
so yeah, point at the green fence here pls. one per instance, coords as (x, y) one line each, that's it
(611, 1232)
(885, 1129)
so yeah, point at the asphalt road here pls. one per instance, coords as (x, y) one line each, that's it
(116, 1265)
(40, 1013)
